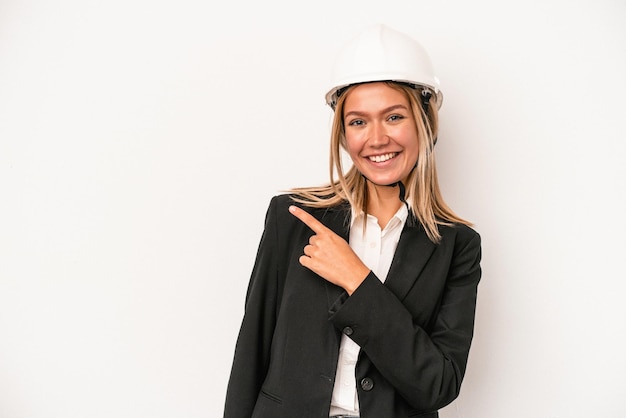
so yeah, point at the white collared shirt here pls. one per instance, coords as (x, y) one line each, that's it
(376, 249)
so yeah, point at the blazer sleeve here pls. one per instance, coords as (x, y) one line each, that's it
(425, 367)
(252, 349)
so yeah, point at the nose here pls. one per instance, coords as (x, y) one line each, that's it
(379, 135)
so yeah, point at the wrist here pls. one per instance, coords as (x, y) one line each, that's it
(356, 282)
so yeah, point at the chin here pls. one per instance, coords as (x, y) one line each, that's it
(383, 182)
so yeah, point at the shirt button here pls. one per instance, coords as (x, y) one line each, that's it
(367, 384)
(348, 331)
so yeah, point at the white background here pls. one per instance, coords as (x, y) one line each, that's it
(140, 142)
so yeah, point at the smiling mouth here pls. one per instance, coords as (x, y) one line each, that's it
(382, 158)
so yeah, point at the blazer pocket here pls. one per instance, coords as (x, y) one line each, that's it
(271, 396)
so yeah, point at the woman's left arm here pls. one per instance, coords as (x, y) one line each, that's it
(425, 366)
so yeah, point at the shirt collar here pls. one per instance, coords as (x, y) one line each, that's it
(399, 217)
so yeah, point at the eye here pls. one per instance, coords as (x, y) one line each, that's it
(356, 122)
(394, 118)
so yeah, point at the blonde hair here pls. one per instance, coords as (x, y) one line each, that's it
(423, 196)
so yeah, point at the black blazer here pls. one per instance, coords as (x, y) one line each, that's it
(414, 330)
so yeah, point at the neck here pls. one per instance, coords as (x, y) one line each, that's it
(383, 202)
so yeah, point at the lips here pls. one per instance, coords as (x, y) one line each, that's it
(382, 158)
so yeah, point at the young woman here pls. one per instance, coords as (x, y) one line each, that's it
(362, 298)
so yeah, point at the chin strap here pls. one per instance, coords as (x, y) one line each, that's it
(398, 183)
(426, 95)
(402, 191)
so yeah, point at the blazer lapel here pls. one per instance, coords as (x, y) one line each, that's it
(413, 252)
(338, 220)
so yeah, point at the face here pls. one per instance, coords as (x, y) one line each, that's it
(381, 137)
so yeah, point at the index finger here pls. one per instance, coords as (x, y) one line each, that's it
(308, 219)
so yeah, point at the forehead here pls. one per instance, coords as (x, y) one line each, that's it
(372, 96)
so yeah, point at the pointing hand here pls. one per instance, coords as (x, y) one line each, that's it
(329, 255)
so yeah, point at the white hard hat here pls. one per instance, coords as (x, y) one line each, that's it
(382, 54)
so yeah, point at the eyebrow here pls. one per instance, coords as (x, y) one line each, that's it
(386, 110)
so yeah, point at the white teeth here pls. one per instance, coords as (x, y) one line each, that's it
(382, 158)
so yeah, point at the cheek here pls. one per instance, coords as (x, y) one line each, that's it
(353, 145)
(410, 141)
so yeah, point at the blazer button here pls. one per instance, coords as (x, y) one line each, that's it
(367, 384)
(348, 331)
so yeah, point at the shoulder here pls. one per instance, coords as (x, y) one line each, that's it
(462, 236)
(461, 231)
(282, 202)
(335, 217)
(278, 210)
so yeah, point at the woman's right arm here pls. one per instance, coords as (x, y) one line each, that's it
(252, 351)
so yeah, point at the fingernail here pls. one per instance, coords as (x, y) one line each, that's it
(292, 209)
